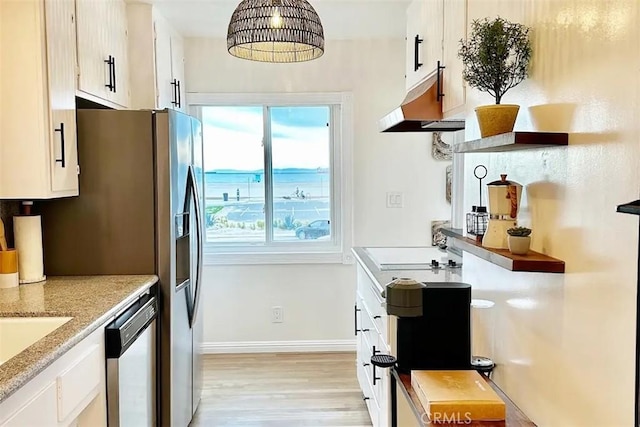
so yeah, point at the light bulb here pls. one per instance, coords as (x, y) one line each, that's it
(276, 19)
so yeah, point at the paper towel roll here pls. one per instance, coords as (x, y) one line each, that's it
(27, 232)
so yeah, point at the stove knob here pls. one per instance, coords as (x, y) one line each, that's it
(434, 263)
(452, 263)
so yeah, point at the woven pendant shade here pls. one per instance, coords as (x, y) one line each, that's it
(275, 31)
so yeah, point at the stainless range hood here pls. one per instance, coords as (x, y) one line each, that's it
(421, 110)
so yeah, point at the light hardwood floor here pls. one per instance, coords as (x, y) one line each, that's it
(283, 390)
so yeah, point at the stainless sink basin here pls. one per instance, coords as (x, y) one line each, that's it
(18, 333)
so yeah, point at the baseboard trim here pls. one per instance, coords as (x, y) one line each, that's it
(301, 346)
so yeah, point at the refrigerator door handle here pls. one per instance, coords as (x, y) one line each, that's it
(198, 281)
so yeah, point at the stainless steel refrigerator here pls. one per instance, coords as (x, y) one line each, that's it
(140, 212)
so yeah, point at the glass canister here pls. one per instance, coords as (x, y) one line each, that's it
(477, 221)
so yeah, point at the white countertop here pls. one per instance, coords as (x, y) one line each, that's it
(385, 264)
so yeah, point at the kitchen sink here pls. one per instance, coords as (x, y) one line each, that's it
(18, 333)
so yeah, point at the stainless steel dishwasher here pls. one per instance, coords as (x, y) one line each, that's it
(130, 349)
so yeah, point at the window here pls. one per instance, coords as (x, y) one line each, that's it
(276, 173)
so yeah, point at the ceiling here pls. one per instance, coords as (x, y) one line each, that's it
(341, 19)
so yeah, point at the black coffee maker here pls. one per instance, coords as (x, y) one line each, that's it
(433, 328)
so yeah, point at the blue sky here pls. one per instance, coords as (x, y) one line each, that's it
(233, 137)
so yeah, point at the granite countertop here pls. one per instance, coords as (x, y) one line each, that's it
(90, 300)
(419, 271)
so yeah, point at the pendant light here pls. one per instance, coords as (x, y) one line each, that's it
(275, 31)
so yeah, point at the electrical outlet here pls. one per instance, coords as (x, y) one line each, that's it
(277, 315)
(394, 200)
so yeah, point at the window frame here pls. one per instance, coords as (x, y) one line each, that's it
(336, 250)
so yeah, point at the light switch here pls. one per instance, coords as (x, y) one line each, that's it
(394, 200)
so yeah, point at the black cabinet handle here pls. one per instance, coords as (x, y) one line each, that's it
(417, 41)
(61, 130)
(179, 96)
(365, 364)
(439, 98)
(365, 330)
(113, 67)
(355, 319)
(374, 375)
(109, 62)
(174, 101)
(365, 398)
(377, 317)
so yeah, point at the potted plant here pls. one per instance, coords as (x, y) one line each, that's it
(496, 58)
(519, 240)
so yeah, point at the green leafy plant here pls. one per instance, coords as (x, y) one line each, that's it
(519, 231)
(289, 222)
(496, 56)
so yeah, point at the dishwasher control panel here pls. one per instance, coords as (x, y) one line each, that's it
(121, 333)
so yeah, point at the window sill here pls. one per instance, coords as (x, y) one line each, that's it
(212, 258)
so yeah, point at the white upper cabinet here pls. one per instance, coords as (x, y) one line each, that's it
(102, 51)
(415, 69)
(177, 71)
(169, 65)
(164, 84)
(117, 21)
(157, 69)
(424, 39)
(434, 31)
(38, 155)
(455, 29)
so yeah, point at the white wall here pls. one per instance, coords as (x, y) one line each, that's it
(318, 299)
(565, 344)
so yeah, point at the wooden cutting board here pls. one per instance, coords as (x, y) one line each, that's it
(457, 396)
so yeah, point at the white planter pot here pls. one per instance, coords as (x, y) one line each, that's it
(519, 245)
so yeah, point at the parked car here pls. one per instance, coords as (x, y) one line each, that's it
(314, 229)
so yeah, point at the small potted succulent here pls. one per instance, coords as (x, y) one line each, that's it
(519, 240)
(496, 58)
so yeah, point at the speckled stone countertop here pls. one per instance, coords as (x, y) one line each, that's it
(90, 300)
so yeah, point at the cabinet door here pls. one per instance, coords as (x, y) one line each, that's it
(61, 60)
(93, 42)
(432, 28)
(39, 412)
(117, 45)
(177, 69)
(414, 72)
(165, 92)
(455, 29)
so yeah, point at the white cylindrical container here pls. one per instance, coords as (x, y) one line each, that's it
(482, 327)
(8, 280)
(27, 232)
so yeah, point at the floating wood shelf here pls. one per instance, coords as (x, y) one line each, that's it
(532, 261)
(632, 208)
(513, 141)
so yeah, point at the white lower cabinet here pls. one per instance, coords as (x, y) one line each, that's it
(371, 328)
(70, 392)
(375, 331)
(39, 411)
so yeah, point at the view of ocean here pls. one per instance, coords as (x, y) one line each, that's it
(309, 183)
